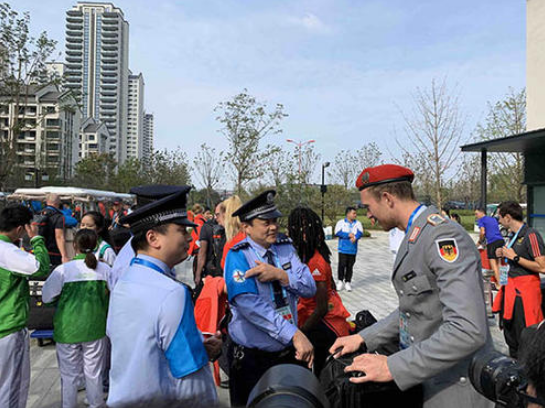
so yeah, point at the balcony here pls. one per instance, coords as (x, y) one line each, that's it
(109, 35)
(74, 68)
(106, 73)
(74, 58)
(108, 68)
(110, 27)
(109, 80)
(74, 40)
(105, 100)
(77, 27)
(75, 19)
(74, 13)
(74, 46)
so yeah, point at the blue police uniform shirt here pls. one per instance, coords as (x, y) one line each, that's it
(121, 263)
(255, 322)
(157, 350)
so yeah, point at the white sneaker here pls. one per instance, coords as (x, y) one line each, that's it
(339, 286)
(348, 286)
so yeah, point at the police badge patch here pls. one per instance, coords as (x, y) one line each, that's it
(238, 276)
(448, 249)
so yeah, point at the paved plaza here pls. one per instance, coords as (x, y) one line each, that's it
(372, 290)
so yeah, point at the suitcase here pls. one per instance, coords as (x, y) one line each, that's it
(40, 316)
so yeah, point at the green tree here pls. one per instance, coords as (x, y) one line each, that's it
(245, 122)
(208, 169)
(129, 174)
(96, 171)
(506, 118)
(22, 70)
(168, 167)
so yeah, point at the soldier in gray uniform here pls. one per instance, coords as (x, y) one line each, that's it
(441, 319)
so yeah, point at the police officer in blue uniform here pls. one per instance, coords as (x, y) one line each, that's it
(264, 279)
(157, 351)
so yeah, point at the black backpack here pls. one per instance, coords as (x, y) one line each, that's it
(341, 393)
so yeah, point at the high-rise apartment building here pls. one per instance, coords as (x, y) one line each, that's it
(97, 56)
(135, 119)
(148, 137)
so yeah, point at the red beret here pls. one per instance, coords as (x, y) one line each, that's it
(385, 173)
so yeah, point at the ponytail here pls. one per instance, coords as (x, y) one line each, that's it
(86, 241)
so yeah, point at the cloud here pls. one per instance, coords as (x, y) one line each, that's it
(311, 22)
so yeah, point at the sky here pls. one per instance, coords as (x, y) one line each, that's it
(344, 70)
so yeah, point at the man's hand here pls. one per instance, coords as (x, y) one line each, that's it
(347, 345)
(499, 252)
(267, 273)
(213, 346)
(374, 366)
(304, 351)
(31, 230)
(509, 253)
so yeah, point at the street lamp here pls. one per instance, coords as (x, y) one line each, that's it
(323, 188)
(300, 145)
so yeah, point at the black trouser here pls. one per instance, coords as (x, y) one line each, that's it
(246, 366)
(512, 329)
(322, 338)
(346, 267)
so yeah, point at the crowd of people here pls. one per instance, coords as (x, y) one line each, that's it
(125, 325)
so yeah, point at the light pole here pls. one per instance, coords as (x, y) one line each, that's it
(300, 145)
(323, 188)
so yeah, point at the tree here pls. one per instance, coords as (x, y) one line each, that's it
(506, 118)
(22, 69)
(95, 171)
(168, 167)
(129, 174)
(246, 122)
(345, 168)
(468, 186)
(368, 156)
(434, 132)
(207, 164)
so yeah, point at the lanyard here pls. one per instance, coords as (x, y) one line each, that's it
(147, 264)
(514, 239)
(411, 218)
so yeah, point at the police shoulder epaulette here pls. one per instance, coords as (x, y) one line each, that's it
(241, 245)
(436, 219)
(283, 240)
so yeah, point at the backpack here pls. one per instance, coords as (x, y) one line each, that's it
(341, 393)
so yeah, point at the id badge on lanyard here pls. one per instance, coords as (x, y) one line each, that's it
(284, 311)
(504, 269)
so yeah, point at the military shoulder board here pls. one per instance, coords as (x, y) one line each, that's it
(241, 245)
(436, 219)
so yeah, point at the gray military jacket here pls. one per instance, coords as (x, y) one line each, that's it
(441, 319)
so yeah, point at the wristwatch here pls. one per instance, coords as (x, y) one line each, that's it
(516, 259)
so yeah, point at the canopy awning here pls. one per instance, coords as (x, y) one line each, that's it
(523, 143)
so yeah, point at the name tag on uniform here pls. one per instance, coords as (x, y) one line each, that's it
(286, 313)
(286, 266)
(404, 336)
(407, 277)
(504, 274)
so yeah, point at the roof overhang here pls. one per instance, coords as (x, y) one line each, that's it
(522, 143)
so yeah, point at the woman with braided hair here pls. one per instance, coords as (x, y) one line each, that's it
(323, 317)
(80, 290)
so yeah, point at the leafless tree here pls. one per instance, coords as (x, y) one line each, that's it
(345, 168)
(434, 130)
(208, 168)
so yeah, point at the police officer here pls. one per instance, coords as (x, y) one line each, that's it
(264, 277)
(441, 319)
(157, 350)
(144, 195)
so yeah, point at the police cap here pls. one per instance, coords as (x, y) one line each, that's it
(385, 173)
(262, 207)
(167, 210)
(149, 193)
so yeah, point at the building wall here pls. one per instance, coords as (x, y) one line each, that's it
(135, 117)
(97, 66)
(147, 143)
(535, 64)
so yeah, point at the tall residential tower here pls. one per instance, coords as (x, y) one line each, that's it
(135, 129)
(97, 58)
(148, 137)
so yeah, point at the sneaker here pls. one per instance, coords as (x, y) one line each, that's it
(340, 286)
(348, 286)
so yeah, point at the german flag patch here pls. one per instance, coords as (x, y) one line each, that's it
(448, 249)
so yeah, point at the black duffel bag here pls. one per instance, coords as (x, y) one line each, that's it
(341, 393)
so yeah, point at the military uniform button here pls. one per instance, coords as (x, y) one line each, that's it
(414, 288)
(401, 292)
(412, 338)
(463, 380)
(408, 314)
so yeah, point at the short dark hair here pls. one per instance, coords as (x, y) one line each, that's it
(349, 209)
(14, 216)
(512, 208)
(401, 189)
(533, 361)
(139, 241)
(481, 209)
